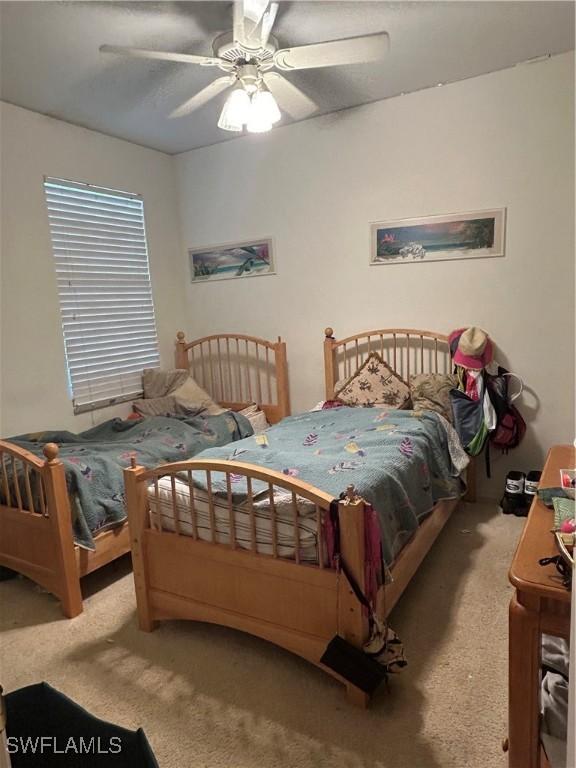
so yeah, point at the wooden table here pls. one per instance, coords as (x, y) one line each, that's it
(540, 605)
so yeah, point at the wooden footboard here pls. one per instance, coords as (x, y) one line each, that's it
(36, 537)
(35, 523)
(228, 580)
(298, 606)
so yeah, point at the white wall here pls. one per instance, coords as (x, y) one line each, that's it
(504, 139)
(33, 375)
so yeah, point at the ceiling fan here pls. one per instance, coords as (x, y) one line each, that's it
(248, 55)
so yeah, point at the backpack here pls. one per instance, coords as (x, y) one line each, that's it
(510, 426)
(469, 421)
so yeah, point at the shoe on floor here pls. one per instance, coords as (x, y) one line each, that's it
(513, 501)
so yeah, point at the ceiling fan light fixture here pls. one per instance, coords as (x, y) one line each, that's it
(264, 107)
(256, 125)
(236, 110)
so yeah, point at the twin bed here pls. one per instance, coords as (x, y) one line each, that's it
(36, 508)
(243, 543)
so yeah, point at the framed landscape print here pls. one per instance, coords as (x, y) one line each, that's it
(439, 238)
(223, 262)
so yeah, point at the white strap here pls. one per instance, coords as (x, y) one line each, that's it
(516, 395)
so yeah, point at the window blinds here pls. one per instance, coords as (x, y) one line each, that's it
(101, 257)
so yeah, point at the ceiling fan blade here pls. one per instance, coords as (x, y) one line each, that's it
(350, 50)
(267, 23)
(249, 19)
(254, 10)
(289, 97)
(204, 96)
(143, 53)
(238, 31)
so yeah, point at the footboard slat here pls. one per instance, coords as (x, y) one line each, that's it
(252, 518)
(41, 495)
(211, 506)
(230, 512)
(296, 527)
(29, 497)
(273, 520)
(175, 510)
(7, 494)
(157, 518)
(193, 514)
(16, 484)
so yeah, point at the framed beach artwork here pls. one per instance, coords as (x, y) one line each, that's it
(475, 235)
(222, 262)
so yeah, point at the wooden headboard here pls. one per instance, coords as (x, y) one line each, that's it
(238, 370)
(406, 350)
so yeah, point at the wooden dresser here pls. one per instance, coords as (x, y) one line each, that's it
(540, 605)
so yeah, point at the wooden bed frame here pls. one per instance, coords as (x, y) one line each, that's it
(297, 606)
(35, 523)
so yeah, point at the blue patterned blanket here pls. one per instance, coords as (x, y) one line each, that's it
(95, 459)
(399, 461)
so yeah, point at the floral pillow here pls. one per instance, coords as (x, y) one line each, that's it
(431, 391)
(375, 384)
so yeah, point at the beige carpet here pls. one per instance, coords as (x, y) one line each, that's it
(207, 696)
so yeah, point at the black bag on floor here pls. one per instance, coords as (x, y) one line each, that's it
(353, 665)
(46, 729)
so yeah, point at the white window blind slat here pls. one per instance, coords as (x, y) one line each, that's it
(84, 223)
(106, 304)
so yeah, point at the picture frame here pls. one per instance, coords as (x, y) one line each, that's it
(447, 237)
(250, 258)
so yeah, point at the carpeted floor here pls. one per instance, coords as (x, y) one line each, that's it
(213, 698)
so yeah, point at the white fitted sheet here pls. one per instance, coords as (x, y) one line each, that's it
(162, 518)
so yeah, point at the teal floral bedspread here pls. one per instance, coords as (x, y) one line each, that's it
(399, 461)
(95, 459)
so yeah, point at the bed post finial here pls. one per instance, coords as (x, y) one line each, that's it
(181, 356)
(132, 462)
(51, 451)
(330, 364)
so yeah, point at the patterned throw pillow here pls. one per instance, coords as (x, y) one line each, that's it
(373, 384)
(431, 391)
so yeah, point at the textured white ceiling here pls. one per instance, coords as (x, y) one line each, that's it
(50, 60)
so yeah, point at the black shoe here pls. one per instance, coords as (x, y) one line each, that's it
(531, 486)
(513, 503)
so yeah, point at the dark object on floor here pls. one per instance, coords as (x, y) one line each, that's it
(46, 729)
(7, 573)
(513, 502)
(353, 665)
(531, 486)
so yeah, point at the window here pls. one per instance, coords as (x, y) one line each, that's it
(101, 256)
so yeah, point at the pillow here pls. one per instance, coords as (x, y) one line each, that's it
(188, 395)
(431, 392)
(156, 383)
(156, 406)
(375, 383)
(256, 417)
(192, 397)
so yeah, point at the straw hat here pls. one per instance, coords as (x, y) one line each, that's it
(471, 348)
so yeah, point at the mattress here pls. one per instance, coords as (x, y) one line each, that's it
(164, 504)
